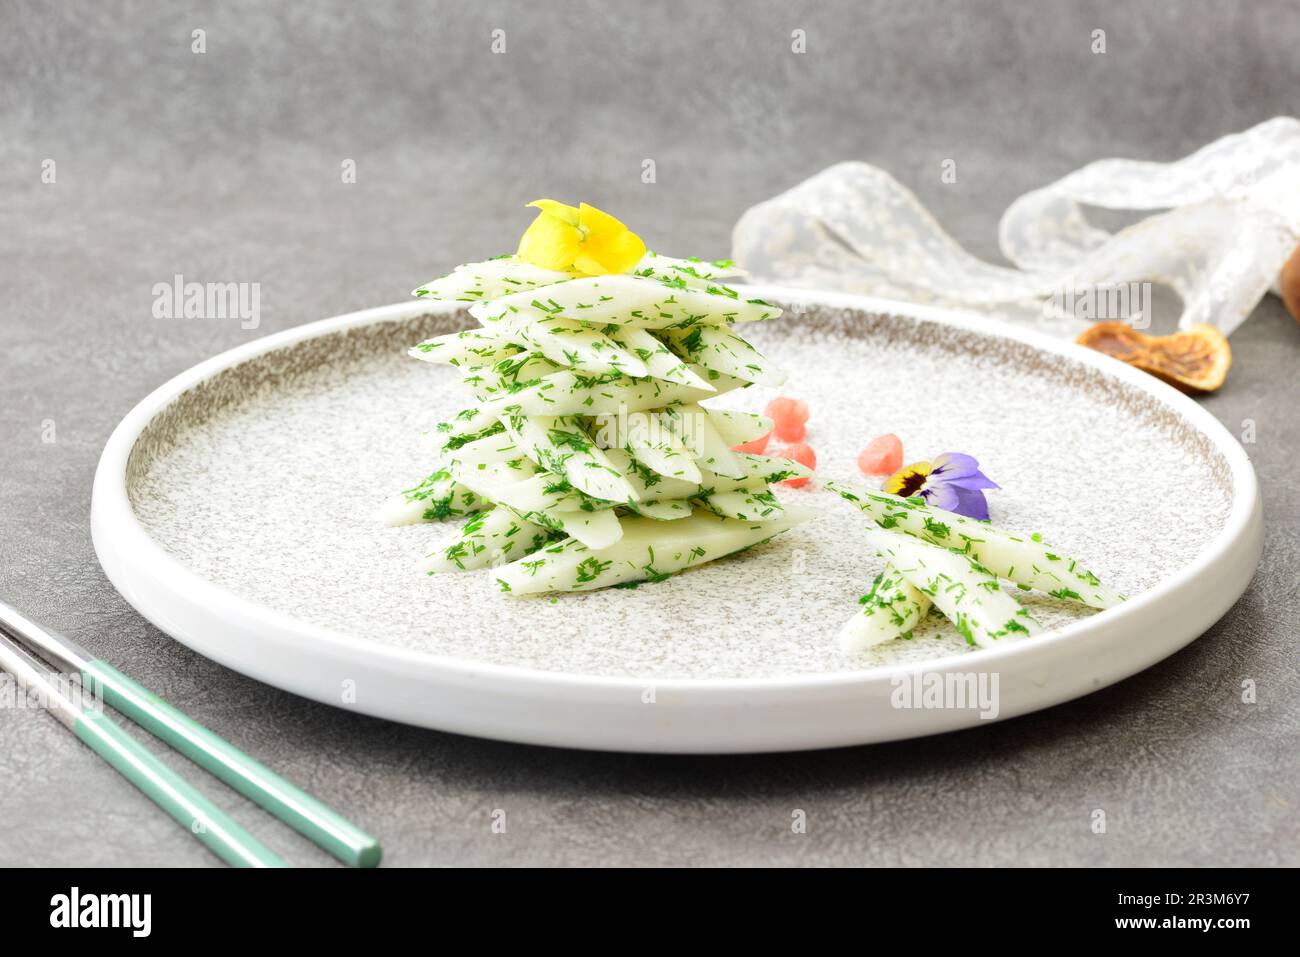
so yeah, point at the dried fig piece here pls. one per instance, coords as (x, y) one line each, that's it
(1193, 360)
(1290, 283)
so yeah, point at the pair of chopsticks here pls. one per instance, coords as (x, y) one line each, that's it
(171, 792)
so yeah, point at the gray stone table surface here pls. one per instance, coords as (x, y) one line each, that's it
(226, 165)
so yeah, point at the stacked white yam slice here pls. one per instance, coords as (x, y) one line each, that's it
(586, 458)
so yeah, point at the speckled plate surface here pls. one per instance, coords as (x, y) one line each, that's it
(235, 507)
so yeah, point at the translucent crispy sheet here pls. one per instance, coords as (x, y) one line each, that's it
(1228, 218)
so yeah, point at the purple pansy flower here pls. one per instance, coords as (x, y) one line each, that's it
(953, 482)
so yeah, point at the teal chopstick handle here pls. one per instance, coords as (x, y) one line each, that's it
(173, 793)
(295, 807)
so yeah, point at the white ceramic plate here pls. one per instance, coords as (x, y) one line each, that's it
(235, 509)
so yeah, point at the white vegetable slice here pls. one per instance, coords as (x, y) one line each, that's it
(569, 343)
(964, 590)
(575, 393)
(737, 428)
(471, 347)
(546, 491)
(595, 529)
(660, 361)
(491, 538)
(644, 302)
(466, 424)
(650, 440)
(477, 282)
(666, 455)
(695, 429)
(758, 471)
(436, 498)
(721, 349)
(648, 550)
(493, 480)
(1026, 560)
(703, 268)
(492, 449)
(649, 486)
(890, 610)
(668, 510)
(400, 510)
(561, 445)
(508, 376)
(540, 492)
(747, 505)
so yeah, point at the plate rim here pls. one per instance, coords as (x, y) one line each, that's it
(167, 593)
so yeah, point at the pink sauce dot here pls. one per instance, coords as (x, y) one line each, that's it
(755, 446)
(783, 408)
(801, 453)
(882, 456)
(789, 430)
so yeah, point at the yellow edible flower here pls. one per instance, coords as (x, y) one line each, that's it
(583, 240)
